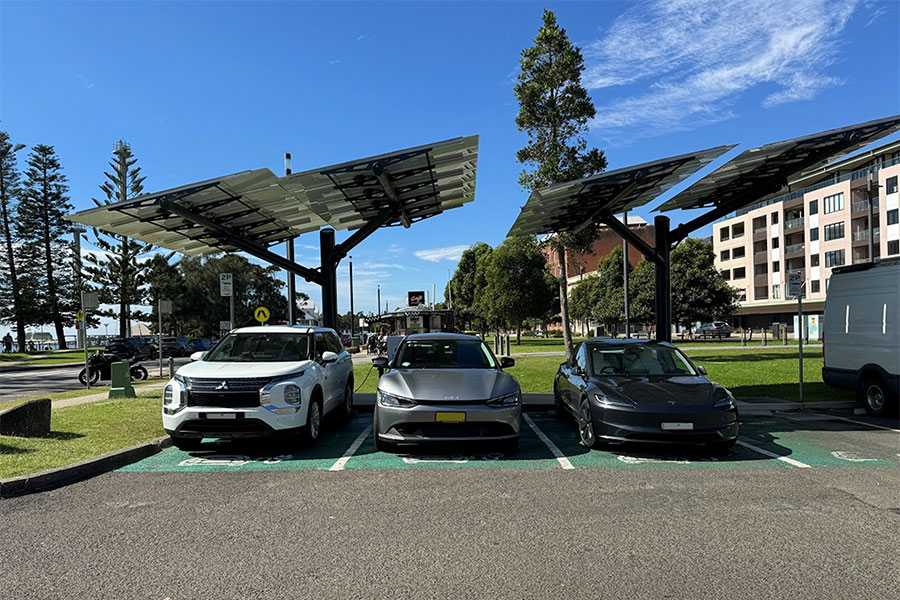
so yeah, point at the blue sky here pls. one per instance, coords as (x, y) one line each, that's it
(201, 89)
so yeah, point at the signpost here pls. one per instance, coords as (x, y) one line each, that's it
(261, 314)
(226, 282)
(89, 301)
(165, 308)
(795, 289)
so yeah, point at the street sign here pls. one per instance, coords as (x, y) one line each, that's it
(415, 298)
(224, 325)
(79, 315)
(90, 300)
(225, 281)
(165, 307)
(795, 284)
(261, 314)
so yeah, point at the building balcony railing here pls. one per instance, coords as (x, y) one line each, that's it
(862, 235)
(761, 257)
(760, 229)
(863, 205)
(794, 249)
(793, 223)
(761, 279)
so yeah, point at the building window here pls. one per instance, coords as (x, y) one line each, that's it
(814, 286)
(725, 254)
(835, 231)
(814, 207)
(892, 216)
(724, 234)
(726, 274)
(893, 247)
(776, 266)
(774, 218)
(738, 252)
(890, 185)
(833, 203)
(814, 260)
(776, 291)
(737, 230)
(834, 258)
(774, 243)
(741, 272)
(813, 234)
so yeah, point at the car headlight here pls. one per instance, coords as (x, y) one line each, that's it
(723, 398)
(513, 399)
(608, 402)
(392, 401)
(291, 394)
(170, 404)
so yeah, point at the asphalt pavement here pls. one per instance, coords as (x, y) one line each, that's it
(404, 527)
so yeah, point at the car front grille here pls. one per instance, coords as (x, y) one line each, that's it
(227, 384)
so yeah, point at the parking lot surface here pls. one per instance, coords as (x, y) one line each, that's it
(806, 506)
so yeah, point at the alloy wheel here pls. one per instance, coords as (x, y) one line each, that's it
(875, 397)
(586, 425)
(314, 420)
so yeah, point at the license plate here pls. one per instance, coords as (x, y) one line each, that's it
(677, 426)
(450, 417)
(221, 415)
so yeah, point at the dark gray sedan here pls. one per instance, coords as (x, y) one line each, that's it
(444, 387)
(643, 391)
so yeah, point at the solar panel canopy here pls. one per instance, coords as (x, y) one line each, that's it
(764, 172)
(266, 209)
(567, 206)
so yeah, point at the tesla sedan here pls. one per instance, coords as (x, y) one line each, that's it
(444, 387)
(643, 391)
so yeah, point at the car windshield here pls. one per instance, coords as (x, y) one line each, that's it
(261, 347)
(639, 360)
(444, 354)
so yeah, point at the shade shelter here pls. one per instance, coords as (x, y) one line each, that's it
(253, 210)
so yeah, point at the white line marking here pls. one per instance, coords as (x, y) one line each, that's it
(339, 465)
(560, 457)
(790, 461)
(862, 423)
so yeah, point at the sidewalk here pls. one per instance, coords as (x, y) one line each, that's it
(150, 387)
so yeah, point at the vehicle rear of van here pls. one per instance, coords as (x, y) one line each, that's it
(862, 337)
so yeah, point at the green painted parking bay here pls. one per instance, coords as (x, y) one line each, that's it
(546, 443)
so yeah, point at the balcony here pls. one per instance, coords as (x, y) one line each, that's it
(794, 249)
(793, 224)
(863, 206)
(862, 235)
(760, 233)
(761, 257)
(761, 279)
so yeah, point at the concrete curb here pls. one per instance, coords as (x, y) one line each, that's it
(15, 368)
(54, 478)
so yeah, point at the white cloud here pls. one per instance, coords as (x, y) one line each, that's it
(439, 254)
(682, 64)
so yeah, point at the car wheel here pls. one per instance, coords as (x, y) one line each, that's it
(586, 426)
(139, 373)
(186, 444)
(873, 394)
(309, 433)
(95, 377)
(347, 410)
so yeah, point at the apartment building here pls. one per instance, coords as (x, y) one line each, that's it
(824, 224)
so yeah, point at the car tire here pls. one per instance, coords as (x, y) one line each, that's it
(874, 396)
(309, 433)
(561, 412)
(186, 444)
(586, 427)
(347, 404)
(381, 445)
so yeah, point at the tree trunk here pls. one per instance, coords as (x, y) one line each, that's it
(519, 335)
(564, 302)
(14, 281)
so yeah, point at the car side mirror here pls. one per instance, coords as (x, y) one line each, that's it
(701, 369)
(198, 355)
(380, 362)
(328, 357)
(507, 362)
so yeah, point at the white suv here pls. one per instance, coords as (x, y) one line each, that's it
(260, 382)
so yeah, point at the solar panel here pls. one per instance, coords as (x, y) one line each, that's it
(567, 206)
(764, 172)
(263, 208)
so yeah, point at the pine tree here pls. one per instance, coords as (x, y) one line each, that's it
(42, 228)
(117, 272)
(554, 109)
(11, 309)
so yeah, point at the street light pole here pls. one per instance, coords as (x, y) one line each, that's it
(625, 277)
(352, 314)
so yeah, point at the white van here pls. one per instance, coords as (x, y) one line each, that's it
(862, 337)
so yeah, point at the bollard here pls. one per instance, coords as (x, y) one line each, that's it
(497, 344)
(765, 341)
(120, 387)
(506, 340)
(743, 337)
(784, 336)
(171, 367)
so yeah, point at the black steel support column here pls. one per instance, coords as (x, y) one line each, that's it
(663, 282)
(329, 278)
(291, 284)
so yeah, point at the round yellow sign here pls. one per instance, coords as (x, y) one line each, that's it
(261, 314)
(79, 316)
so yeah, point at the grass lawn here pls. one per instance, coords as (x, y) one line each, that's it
(45, 358)
(4, 405)
(84, 431)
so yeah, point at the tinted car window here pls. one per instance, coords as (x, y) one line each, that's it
(639, 360)
(261, 347)
(334, 344)
(321, 345)
(444, 354)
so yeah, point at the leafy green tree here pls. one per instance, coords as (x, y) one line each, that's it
(165, 282)
(699, 292)
(461, 288)
(642, 293)
(518, 285)
(554, 110)
(12, 307)
(600, 298)
(41, 227)
(117, 271)
(582, 299)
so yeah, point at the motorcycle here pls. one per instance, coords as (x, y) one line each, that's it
(99, 365)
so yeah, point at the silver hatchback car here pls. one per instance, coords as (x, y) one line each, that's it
(445, 387)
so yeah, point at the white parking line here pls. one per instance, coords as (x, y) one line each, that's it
(560, 457)
(339, 464)
(790, 461)
(861, 423)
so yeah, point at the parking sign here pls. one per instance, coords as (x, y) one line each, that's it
(795, 283)
(225, 281)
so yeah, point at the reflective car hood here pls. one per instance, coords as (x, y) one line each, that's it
(682, 390)
(448, 385)
(202, 368)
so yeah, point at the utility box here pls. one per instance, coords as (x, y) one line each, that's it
(120, 373)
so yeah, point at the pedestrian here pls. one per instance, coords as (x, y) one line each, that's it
(31, 347)
(7, 343)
